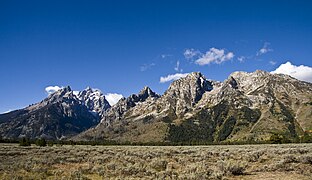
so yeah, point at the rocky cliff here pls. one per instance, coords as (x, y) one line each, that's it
(246, 106)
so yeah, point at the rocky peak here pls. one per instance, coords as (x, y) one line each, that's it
(89, 93)
(184, 93)
(145, 93)
(242, 74)
(251, 81)
(64, 94)
(66, 89)
(63, 97)
(261, 73)
(94, 100)
(191, 87)
(58, 116)
(62, 91)
(124, 104)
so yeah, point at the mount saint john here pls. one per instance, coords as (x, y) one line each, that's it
(246, 106)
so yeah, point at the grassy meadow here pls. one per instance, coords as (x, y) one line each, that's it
(286, 161)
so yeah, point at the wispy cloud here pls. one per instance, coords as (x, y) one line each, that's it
(177, 67)
(241, 58)
(265, 49)
(172, 77)
(52, 89)
(214, 55)
(113, 98)
(145, 67)
(272, 62)
(163, 56)
(300, 72)
(191, 53)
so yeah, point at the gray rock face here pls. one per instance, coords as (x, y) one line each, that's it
(233, 82)
(117, 111)
(61, 115)
(64, 95)
(246, 106)
(184, 93)
(94, 100)
(145, 93)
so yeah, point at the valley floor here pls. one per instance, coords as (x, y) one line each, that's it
(288, 161)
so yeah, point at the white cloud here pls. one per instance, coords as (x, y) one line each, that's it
(113, 98)
(301, 72)
(214, 55)
(272, 62)
(172, 77)
(191, 53)
(265, 49)
(52, 89)
(145, 67)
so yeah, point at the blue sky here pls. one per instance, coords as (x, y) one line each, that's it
(121, 46)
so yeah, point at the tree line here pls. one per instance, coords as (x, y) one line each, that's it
(274, 139)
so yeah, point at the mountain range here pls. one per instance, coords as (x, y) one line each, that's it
(246, 106)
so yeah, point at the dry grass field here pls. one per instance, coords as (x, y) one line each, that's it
(289, 161)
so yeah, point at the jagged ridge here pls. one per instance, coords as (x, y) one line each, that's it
(246, 106)
(61, 115)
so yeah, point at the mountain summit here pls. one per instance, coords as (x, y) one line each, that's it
(245, 106)
(94, 100)
(61, 115)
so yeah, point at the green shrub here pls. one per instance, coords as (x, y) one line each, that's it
(50, 143)
(232, 168)
(41, 142)
(278, 139)
(306, 138)
(24, 142)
